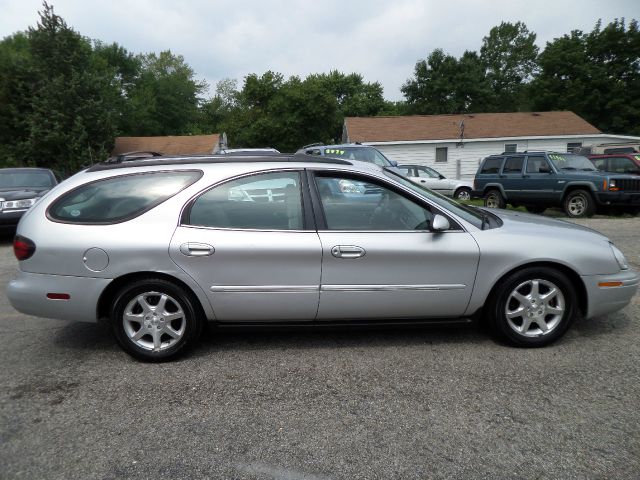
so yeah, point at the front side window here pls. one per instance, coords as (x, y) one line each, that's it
(427, 172)
(268, 201)
(351, 204)
(121, 198)
(537, 164)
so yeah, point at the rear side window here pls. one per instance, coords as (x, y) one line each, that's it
(269, 201)
(117, 199)
(513, 165)
(491, 165)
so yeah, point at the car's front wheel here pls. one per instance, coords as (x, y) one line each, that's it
(154, 319)
(493, 199)
(579, 203)
(533, 307)
(462, 194)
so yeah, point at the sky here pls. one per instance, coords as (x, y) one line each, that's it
(380, 39)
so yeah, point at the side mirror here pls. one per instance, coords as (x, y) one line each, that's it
(393, 163)
(439, 223)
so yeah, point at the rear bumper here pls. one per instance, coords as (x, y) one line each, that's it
(603, 300)
(28, 294)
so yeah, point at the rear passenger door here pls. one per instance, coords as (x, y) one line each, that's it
(512, 179)
(252, 246)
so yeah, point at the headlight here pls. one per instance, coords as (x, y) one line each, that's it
(622, 262)
(18, 204)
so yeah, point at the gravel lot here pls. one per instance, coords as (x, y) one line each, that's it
(425, 403)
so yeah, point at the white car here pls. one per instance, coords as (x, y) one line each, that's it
(434, 180)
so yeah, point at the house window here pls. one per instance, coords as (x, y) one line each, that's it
(441, 154)
(510, 147)
(573, 146)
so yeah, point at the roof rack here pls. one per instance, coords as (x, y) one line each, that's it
(131, 156)
(316, 144)
(191, 159)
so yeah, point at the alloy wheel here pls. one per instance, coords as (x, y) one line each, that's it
(535, 308)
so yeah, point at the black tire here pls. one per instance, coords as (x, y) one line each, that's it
(153, 323)
(462, 193)
(536, 310)
(579, 204)
(493, 199)
(535, 209)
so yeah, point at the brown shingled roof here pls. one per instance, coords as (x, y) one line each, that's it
(479, 125)
(170, 145)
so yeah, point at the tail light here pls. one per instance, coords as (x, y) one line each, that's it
(23, 248)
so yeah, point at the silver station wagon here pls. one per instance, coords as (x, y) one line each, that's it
(157, 247)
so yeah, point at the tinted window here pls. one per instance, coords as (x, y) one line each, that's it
(269, 201)
(120, 198)
(491, 165)
(513, 165)
(360, 205)
(622, 165)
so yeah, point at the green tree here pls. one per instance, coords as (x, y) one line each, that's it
(596, 75)
(164, 98)
(509, 55)
(71, 116)
(445, 84)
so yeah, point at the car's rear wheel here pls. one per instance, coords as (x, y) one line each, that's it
(535, 208)
(462, 194)
(154, 319)
(533, 307)
(493, 199)
(579, 203)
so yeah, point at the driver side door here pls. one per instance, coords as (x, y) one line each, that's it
(380, 260)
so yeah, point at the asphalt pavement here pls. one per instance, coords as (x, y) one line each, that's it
(438, 402)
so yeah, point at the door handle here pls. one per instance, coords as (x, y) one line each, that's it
(347, 251)
(423, 181)
(195, 249)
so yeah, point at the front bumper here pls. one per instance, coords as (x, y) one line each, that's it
(11, 217)
(603, 300)
(623, 199)
(28, 294)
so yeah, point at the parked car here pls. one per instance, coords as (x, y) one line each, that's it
(157, 250)
(20, 189)
(617, 163)
(349, 151)
(609, 148)
(434, 180)
(539, 180)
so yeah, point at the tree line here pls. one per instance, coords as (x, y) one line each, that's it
(64, 97)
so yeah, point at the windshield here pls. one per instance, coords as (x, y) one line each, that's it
(364, 154)
(25, 179)
(571, 162)
(470, 214)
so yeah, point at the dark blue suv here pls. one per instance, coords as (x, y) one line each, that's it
(538, 180)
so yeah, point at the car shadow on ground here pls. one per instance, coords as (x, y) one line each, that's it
(92, 337)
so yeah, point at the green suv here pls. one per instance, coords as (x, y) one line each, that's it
(540, 179)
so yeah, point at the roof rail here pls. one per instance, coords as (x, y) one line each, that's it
(316, 144)
(206, 159)
(130, 156)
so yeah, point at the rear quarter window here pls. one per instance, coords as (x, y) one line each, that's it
(491, 165)
(117, 199)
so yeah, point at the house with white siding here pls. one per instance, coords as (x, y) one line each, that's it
(455, 144)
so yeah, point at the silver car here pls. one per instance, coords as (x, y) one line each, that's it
(157, 247)
(434, 180)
